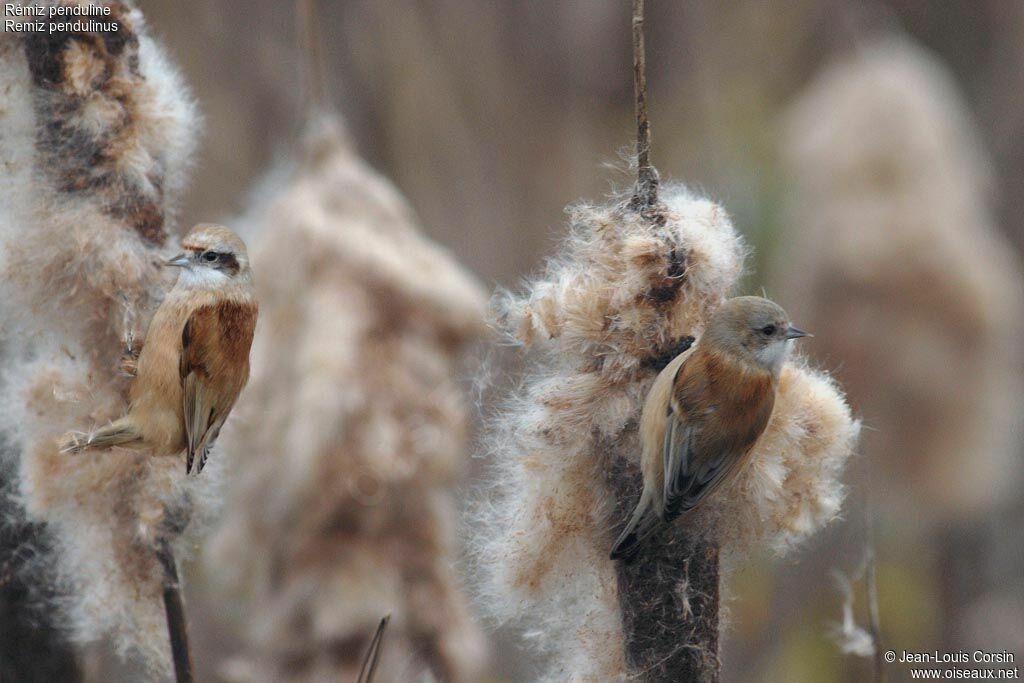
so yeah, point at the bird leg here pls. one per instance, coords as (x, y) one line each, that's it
(129, 362)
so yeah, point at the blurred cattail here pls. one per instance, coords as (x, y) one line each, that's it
(623, 295)
(892, 249)
(352, 434)
(97, 133)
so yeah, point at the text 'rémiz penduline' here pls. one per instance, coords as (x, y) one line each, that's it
(17, 10)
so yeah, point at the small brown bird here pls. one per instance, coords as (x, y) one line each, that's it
(705, 411)
(195, 360)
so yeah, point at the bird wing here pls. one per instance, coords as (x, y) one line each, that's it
(710, 429)
(691, 478)
(647, 517)
(642, 523)
(214, 366)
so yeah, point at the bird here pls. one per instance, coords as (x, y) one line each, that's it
(705, 411)
(194, 361)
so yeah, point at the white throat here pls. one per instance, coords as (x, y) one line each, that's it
(774, 355)
(201, 278)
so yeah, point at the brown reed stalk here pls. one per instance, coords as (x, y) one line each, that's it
(645, 196)
(632, 285)
(655, 618)
(174, 606)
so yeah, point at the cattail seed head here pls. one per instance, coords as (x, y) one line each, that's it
(98, 130)
(620, 299)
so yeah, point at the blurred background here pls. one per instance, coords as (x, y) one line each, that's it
(871, 153)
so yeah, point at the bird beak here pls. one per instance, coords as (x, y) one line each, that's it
(181, 261)
(796, 333)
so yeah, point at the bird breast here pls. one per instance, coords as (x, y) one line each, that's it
(728, 401)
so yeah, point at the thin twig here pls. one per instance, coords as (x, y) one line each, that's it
(646, 194)
(870, 582)
(312, 58)
(177, 627)
(370, 661)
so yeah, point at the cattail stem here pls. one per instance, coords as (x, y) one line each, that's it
(668, 597)
(669, 592)
(177, 627)
(645, 196)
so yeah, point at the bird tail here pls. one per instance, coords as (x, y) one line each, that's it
(116, 433)
(644, 521)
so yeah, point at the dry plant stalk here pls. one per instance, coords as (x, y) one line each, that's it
(351, 436)
(97, 131)
(895, 254)
(616, 303)
(633, 285)
(655, 618)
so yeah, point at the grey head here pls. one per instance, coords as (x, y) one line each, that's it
(754, 329)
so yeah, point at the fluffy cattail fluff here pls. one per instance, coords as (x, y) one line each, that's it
(611, 309)
(895, 254)
(351, 436)
(96, 130)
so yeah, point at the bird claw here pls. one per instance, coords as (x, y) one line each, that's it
(129, 366)
(129, 363)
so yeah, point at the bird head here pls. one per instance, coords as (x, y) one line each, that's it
(212, 254)
(753, 329)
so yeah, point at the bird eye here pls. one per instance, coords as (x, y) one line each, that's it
(210, 256)
(768, 330)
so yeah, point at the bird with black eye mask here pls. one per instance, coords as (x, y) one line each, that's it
(195, 361)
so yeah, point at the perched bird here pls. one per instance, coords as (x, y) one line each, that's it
(705, 411)
(195, 359)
